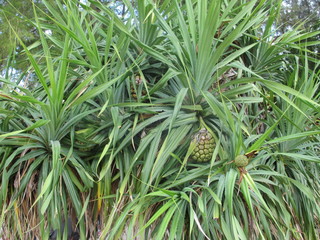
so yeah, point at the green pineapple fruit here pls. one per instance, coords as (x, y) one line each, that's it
(241, 161)
(204, 146)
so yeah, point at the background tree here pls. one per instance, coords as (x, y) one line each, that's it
(301, 12)
(17, 22)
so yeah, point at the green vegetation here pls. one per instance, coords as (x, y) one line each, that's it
(100, 127)
(16, 21)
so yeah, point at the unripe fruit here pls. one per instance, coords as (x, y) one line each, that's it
(204, 146)
(241, 161)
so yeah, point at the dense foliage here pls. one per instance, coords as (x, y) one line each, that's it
(98, 144)
(16, 22)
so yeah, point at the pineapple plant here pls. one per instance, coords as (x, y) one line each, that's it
(101, 132)
(204, 146)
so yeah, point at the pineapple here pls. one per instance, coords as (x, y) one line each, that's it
(241, 161)
(204, 146)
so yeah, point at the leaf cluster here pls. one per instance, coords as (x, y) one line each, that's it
(95, 138)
